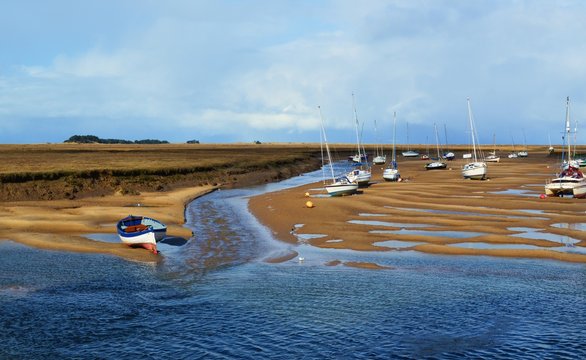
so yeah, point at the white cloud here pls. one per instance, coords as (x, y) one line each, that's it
(233, 70)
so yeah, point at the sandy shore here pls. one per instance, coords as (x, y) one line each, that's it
(435, 209)
(448, 205)
(61, 224)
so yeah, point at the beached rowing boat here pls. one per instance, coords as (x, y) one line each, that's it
(141, 231)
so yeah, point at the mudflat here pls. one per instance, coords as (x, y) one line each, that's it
(438, 211)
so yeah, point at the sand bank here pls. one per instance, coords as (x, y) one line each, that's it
(61, 224)
(437, 211)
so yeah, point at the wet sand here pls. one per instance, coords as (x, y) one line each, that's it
(454, 210)
(61, 224)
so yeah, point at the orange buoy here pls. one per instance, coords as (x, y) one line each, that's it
(542, 196)
(309, 204)
(306, 194)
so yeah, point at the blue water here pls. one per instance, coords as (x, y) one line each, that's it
(215, 298)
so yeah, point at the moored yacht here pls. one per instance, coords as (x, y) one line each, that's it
(476, 169)
(570, 180)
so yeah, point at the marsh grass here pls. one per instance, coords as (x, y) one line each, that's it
(54, 161)
(50, 171)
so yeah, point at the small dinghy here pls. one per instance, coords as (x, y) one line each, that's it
(141, 231)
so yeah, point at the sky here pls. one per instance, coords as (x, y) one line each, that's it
(222, 71)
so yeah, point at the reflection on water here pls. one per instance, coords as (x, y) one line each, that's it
(569, 248)
(397, 243)
(428, 307)
(305, 237)
(538, 234)
(107, 237)
(572, 226)
(470, 213)
(482, 245)
(213, 298)
(450, 234)
(390, 224)
(519, 192)
(443, 212)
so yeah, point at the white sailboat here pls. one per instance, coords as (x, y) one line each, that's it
(438, 164)
(409, 152)
(362, 174)
(338, 185)
(426, 155)
(492, 157)
(513, 154)
(448, 155)
(391, 173)
(523, 153)
(380, 157)
(476, 169)
(571, 180)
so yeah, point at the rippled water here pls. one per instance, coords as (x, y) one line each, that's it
(215, 298)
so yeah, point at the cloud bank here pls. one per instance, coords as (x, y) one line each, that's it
(221, 71)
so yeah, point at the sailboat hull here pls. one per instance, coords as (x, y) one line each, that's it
(566, 186)
(449, 156)
(391, 175)
(379, 160)
(338, 189)
(410, 154)
(361, 177)
(474, 171)
(492, 158)
(436, 166)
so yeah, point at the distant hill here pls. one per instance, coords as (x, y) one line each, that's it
(91, 139)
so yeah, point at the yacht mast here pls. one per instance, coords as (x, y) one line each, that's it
(472, 130)
(323, 130)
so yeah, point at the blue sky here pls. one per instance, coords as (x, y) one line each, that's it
(232, 71)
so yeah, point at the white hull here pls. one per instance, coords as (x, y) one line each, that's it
(449, 156)
(580, 191)
(571, 180)
(435, 166)
(359, 158)
(379, 160)
(492, 158)
(148, 238)
(338, 188)
(361, 177)
(467, 156)
(141, 231)
(391, 175)
(476, 171)
(410, 154)
(512, 156)
(566, 186)
(522, 154)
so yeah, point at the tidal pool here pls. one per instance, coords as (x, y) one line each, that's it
(539, 234)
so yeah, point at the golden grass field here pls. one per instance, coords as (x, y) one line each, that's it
(78, 158)
(67, 171)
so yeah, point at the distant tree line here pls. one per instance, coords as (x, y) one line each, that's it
(91, 139)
